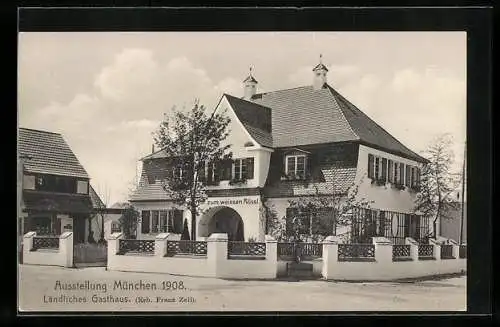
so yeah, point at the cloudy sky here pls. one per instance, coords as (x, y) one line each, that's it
(107, 92)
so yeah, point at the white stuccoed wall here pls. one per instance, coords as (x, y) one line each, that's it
(62, 257)
(384, 197)
(215, 264)
(383, 268)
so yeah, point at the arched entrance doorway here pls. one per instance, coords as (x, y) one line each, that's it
(222, 220)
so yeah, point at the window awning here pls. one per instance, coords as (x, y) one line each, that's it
(57, 202)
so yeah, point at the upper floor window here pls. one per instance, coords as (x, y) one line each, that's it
(295, 165)
(243, 168)
(62, 184)
(383, 170)
(82, 187)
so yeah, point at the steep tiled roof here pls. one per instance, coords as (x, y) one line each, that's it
(303, 116)
(96, 200)
(369, 131)
(57, 202)
(336, 181)
(48, 154)
(256, 119)
(149, 192)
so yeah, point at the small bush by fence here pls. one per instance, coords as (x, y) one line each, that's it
(137, 246)
(356, 252)
(45, 242)
(186, 248)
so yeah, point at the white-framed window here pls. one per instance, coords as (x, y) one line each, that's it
(295, 165)
(239, 169)
(162, 221)
(82, 187)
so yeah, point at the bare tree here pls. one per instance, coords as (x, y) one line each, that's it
(104, 194)
(319, 213)
(438, 182)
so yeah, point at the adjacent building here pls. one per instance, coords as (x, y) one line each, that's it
(288, 144)
(54, 190)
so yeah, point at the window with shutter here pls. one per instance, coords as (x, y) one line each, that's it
(250, 168)
(390, 169)
(164, 221)
(408, 176)
(383, 174)
(177, 225)
(418, 178)
(401, 173)
(370, 166)
(145, 221)
(226, 170)
(155, 221)
(377, 168)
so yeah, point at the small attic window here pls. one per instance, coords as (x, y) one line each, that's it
(247, 144)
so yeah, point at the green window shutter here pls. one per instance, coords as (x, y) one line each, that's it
(370, 165)
(250, 168)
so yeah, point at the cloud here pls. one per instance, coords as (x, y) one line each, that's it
(110, 128)
(414, 105)
(133, 124)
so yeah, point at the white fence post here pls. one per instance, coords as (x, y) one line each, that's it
(455, 252)
(330, 255)
(66, 248)
(161, 244)
(383, 250)
(272, 252)
(437, 248)
(113, 243)
(28, 242)
(217, 253)
(413, 248)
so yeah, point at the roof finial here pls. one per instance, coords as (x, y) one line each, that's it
(250, 68)
(320, 58)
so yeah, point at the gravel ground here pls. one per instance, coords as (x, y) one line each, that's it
(37, 293)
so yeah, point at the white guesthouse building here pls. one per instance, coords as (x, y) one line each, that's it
(287, 144)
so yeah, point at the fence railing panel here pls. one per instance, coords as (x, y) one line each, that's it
(198, 248)
(447, 251)
(303, 250)
(401, 252)
(462, 252)
(425, 251)
(45, 242)
(356, 252)
(246, 248)
(136, 246)
(286, 250)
